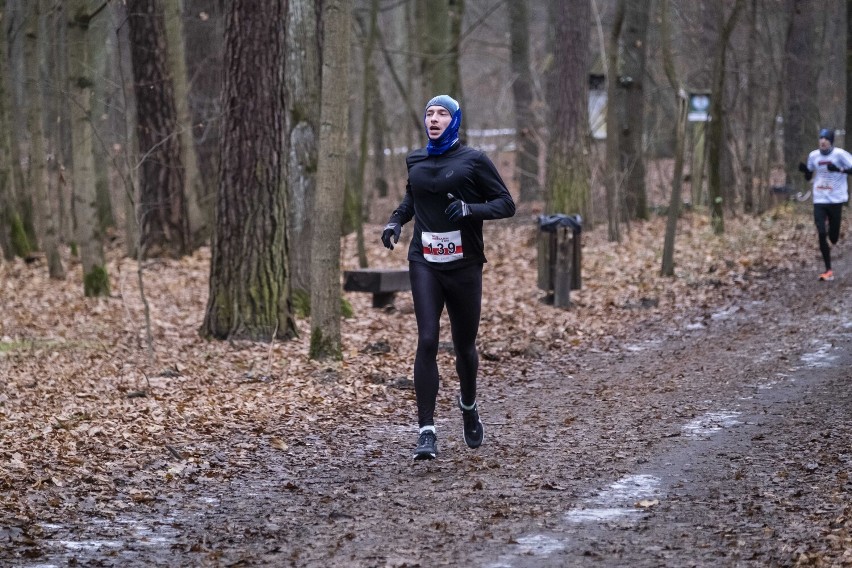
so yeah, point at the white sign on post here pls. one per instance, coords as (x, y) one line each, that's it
(699, 104)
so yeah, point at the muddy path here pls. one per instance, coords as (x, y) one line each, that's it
(719, 439)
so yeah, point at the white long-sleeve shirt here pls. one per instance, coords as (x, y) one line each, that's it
(830, 187)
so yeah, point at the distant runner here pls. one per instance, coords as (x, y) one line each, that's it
(830, 191)
(451, 190)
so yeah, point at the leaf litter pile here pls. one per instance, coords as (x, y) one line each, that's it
(89, 415)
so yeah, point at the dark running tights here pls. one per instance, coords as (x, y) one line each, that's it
(461, 291)
(831, 212)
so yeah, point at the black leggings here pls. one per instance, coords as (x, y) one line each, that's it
(832, 212)
(461, 290)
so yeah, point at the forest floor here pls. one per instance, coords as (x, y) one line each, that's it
(701, 420)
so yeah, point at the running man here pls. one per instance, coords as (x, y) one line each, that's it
(451, 190)
(830, 192)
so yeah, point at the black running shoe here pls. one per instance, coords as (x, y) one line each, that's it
(427, 446)
(473, 430)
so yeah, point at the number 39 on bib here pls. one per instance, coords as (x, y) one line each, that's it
(442, 247)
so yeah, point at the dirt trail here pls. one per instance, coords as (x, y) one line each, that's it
(721, 439)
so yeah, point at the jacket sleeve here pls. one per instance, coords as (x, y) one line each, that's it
(846, 159)
(498, 201)
(405, 210)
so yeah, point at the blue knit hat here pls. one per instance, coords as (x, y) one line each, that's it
(828, 134)
(445, 101)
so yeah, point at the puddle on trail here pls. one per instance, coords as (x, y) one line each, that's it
(710, 423)
(822, 357)
(618, 500)
(536, 546)
(628, 500)
(539, 545)
(121, 535)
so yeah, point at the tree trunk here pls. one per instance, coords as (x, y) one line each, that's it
(379, 127)
(163, 209)
(400, 56)
(632, 78)
(567, 190)
(848, 125)
(249, 283)
(80, 81)
(303, 87)
(204, 34)
(325, 242)
(127, 128)
(46, 224)
(192, 183)
(751, 110)
(716, 135)
(9, 217)
(370, 80)
(526, 160)
(614, 176)
(59, 119)
(99, 33)
(667, 268)
(433, 41)
(801, 73)
(452, 52)
(25, 234)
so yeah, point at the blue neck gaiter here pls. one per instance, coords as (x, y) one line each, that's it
(447, 138)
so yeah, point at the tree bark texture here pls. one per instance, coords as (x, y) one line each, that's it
(801, 72)
(126, 126)
(369, 91)
(89, 237)
(9, 218)
(100, 36)
(667, 266)
(526, 156)
(433, 33)
(748, 168)
(614, 108)
(27, 241)
(848, 125)
(331, 182)
(162, 209)
(249, 284)
(632, 79)
(204, 35)
(716, 130)
(192, 183)
(716, 158)
(303, 105)
(452, 52)
(46, 224)
(59, 119)
(568, 184)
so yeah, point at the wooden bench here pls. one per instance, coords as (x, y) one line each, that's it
(383, 283)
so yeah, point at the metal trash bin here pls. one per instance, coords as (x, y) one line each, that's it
(559, 256)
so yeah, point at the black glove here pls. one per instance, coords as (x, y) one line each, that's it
(457, 208)
(804, 169)
(391, 230)
(832, 168)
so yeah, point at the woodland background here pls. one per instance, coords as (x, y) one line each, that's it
(265, 131)
(183, 182)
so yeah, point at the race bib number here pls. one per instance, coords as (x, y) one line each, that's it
(442, 247)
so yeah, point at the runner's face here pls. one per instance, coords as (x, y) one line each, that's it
(824, 144)
(437, 120)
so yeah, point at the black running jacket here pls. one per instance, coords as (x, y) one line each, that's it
(467, 174)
